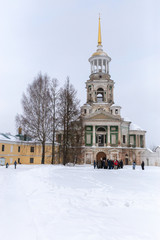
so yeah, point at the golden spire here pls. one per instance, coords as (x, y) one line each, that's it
(99, 33)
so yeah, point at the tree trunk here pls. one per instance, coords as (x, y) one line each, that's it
(53, 148)
(43, 153)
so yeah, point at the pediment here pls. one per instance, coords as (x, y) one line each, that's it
(102, 116)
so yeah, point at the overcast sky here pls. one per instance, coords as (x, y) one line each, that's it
(58, 37)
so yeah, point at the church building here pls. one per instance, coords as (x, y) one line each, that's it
(106, 134)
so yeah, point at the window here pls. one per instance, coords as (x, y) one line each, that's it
(3, 148)
(113, 139)
(88, 139)
(124, 139)
(11, 148)
(11, 160)
(31, 160)
(100, 65)
(32, 149)
(116, 111)
(101, 129)
(114, 129)
(19, 148)
(132, 140)
(141, 141)
(85, 111)
(89, 128)
(100, 95)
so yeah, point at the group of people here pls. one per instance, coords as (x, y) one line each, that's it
(113, 164)
(108, 164)
(15, 165)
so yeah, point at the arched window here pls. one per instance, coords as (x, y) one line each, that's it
(100, 95)
(104, 66)
(101, 129)
(99, 65)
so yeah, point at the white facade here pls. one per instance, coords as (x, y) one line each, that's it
(151, 158)
(106, 133)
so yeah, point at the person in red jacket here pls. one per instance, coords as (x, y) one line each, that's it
(116, 164)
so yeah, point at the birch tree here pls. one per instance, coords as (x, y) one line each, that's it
(53, 110)
(35, 119)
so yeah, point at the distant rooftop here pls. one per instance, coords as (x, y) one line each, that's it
(135, 127)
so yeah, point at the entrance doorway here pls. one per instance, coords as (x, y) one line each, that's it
(101, 136)
(101, 155)
(126, 159)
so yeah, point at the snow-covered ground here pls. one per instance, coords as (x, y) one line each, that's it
(79, 203)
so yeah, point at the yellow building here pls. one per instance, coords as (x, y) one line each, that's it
(25, 152)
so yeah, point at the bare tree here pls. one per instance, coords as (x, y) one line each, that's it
(68, 113)
(54, 118)
(35, 120)
(76, 140)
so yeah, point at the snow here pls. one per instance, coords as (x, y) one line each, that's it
(115, 105)
(8, 137)
(135, 127)
(127, 119)
(74, 203)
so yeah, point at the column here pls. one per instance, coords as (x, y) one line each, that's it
(97, 65)
(105, 137)
(144, 144)
(107, 70)
(119, 135)
(108, 67)
(108, 138)
(101, 65)
(137, 140)
(94, 142)
(104, 61)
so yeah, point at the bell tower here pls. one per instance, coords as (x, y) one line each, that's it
(100, 86)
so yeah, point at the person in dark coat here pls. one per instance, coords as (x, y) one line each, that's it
(99, 164)
(112, 164)
(142, 165)
(94, 164)
(109, 164)
(104, 160)
(134, 165)
(106, 164)
(7, 165)
(121, 164)
(15, 164)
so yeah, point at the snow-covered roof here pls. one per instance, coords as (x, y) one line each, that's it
(127, 119)
(148, 149)
(115, 105)
(8, 137)
(135, 127)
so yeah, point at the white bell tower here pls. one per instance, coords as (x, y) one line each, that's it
(100, 86)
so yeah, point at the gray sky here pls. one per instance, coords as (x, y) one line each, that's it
(58, 37)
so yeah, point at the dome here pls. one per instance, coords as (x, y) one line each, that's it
(99, 53)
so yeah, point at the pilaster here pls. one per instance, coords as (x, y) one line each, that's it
(108, 138)
(94, 140)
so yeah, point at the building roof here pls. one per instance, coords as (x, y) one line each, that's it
(135, 127)
(8, 137)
